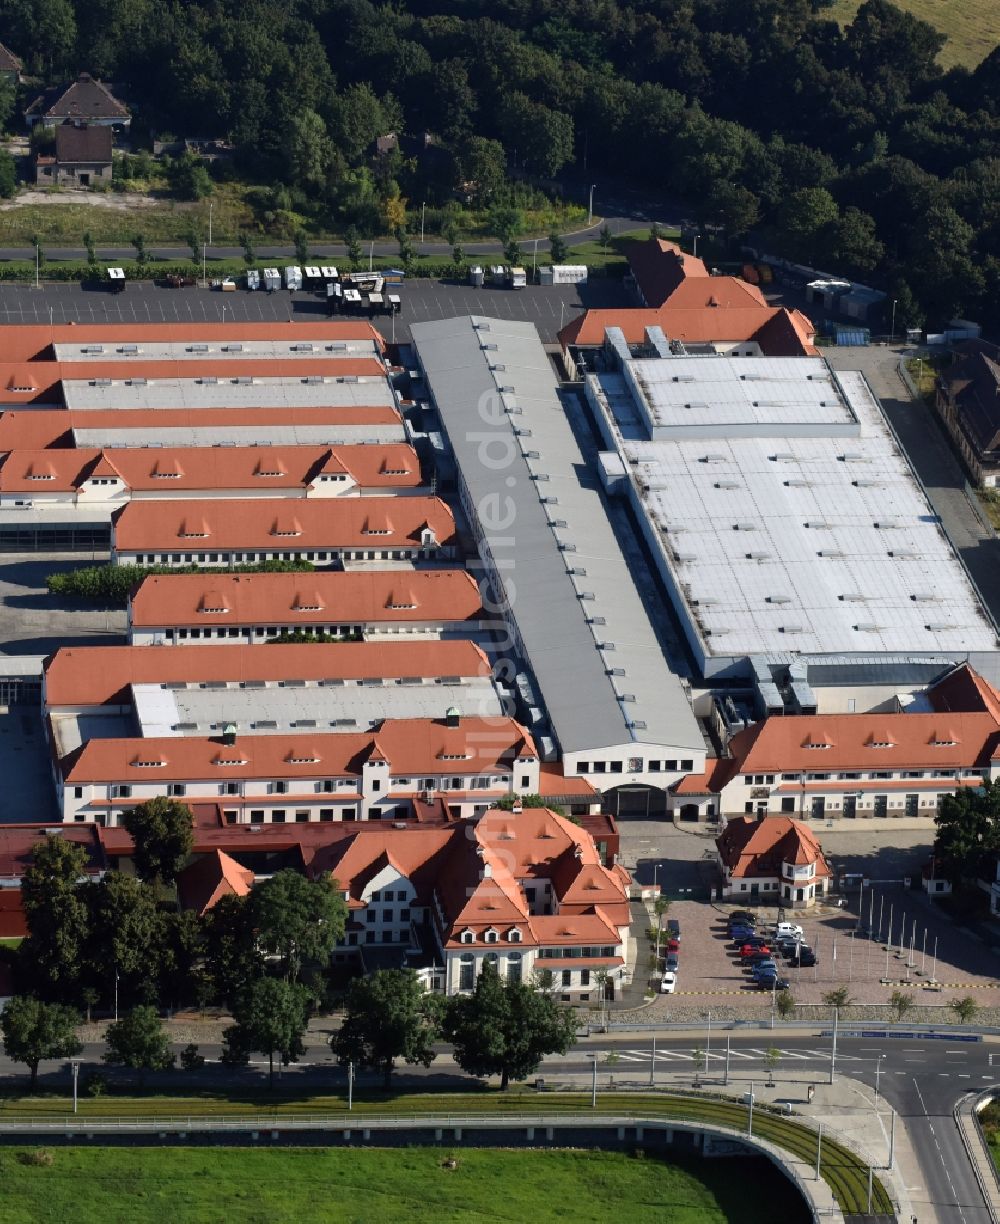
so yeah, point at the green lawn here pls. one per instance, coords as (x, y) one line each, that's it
(296, 1185)
(846, 1174)
(972, 26)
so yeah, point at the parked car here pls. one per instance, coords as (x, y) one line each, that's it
(741, 935)
(673, 928)
(758, 958)
(176, 280)
(770, 981)
(671, 945)
(764, 969)
(804, 957)
(787, 946)
(672, 962)
(747, 916)
(668, 983)
(789, 930)
(736, 929)
(753, 941)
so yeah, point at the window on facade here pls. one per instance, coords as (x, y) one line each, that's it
(466, 971)
(176, 789)
(278, 816)
(370, 914)
(256, 815)
(514, 966)
(617, 767)
(584, 977)
(567, 977)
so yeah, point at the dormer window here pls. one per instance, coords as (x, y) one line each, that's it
(491, 936)
(514, 935)
(815, 744)
(880, 744)
(41, 476)
(467, 937)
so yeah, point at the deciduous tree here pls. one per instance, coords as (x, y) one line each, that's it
(271, 1016)
(506, 1028)
(296, 919)
(389, 1015)
(138, 1041)
(34, 1030)
(161, 830)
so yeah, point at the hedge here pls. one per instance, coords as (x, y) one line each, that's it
(113, 583)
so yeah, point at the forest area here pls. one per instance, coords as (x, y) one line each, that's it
(849, 148)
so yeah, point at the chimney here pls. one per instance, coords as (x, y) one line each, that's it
(229, 734)
(453, 717)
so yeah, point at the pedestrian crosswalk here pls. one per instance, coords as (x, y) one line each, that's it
(744, 1054)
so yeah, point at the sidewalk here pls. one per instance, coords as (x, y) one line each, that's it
(846, 1109)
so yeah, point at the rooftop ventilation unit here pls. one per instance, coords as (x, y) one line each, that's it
(853, 597)
(885, 524)
(728, 484)
(685, 378)
(790, 629)
(782, 457)
(758, 556)
(596, 620)
(197, 348)
(587, 596)
(905, 553)
(129, 350)
(744, 526)
(798, 484)
(549, 500)
(497, 366)
(829, 552)
(629, 697)
(925, 597)
(577, 571)
(489, 348)
(232, 348)
(637, 724)
(265, 724)
(615, 671)
(208, 380)
(817, 525)
(563, 547)
(696, 404)
(852, 457)
(867, 484)
(777, 599)
(866, 627)
(938, 626)
(558, 522)
(92, 348)
(710, 459)
(302, 348)
(102, 382)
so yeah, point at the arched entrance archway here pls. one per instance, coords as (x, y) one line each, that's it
(636, 802)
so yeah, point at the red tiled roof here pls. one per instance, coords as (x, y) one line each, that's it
(751, 847)
(266, 524)
(33, 341)
(866, 741)
(659, 267)
(203, 883)
(361, 596)
(100, 675)
(411, 745)
(168, 469)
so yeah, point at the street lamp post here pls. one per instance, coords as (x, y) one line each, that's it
(878, 1072)
(350, 1085)
(590, 206)
(696, 237)
(74, 1066)
(892, 328)
(210, 207)
(593, 1088)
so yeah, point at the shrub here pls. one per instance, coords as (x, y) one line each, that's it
(113, 583)
(95, 1084)
(191, 1060)
(39, 1158)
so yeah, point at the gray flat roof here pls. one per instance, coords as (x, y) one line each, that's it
(173, 393)
(245, 435)
(565, 581)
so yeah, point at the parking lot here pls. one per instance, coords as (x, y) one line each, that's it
(682, 861)
(548, 307)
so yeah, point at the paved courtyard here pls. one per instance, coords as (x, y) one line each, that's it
(34, 622)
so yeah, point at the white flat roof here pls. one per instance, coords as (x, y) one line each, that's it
(796, 544)
(270, 710)
(773, 394)
(172, 393)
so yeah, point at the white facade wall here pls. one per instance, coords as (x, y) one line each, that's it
(633, 764)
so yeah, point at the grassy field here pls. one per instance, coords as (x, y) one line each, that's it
(845, 1173)
(972, 26)
(202, 1186)
(113, 220)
